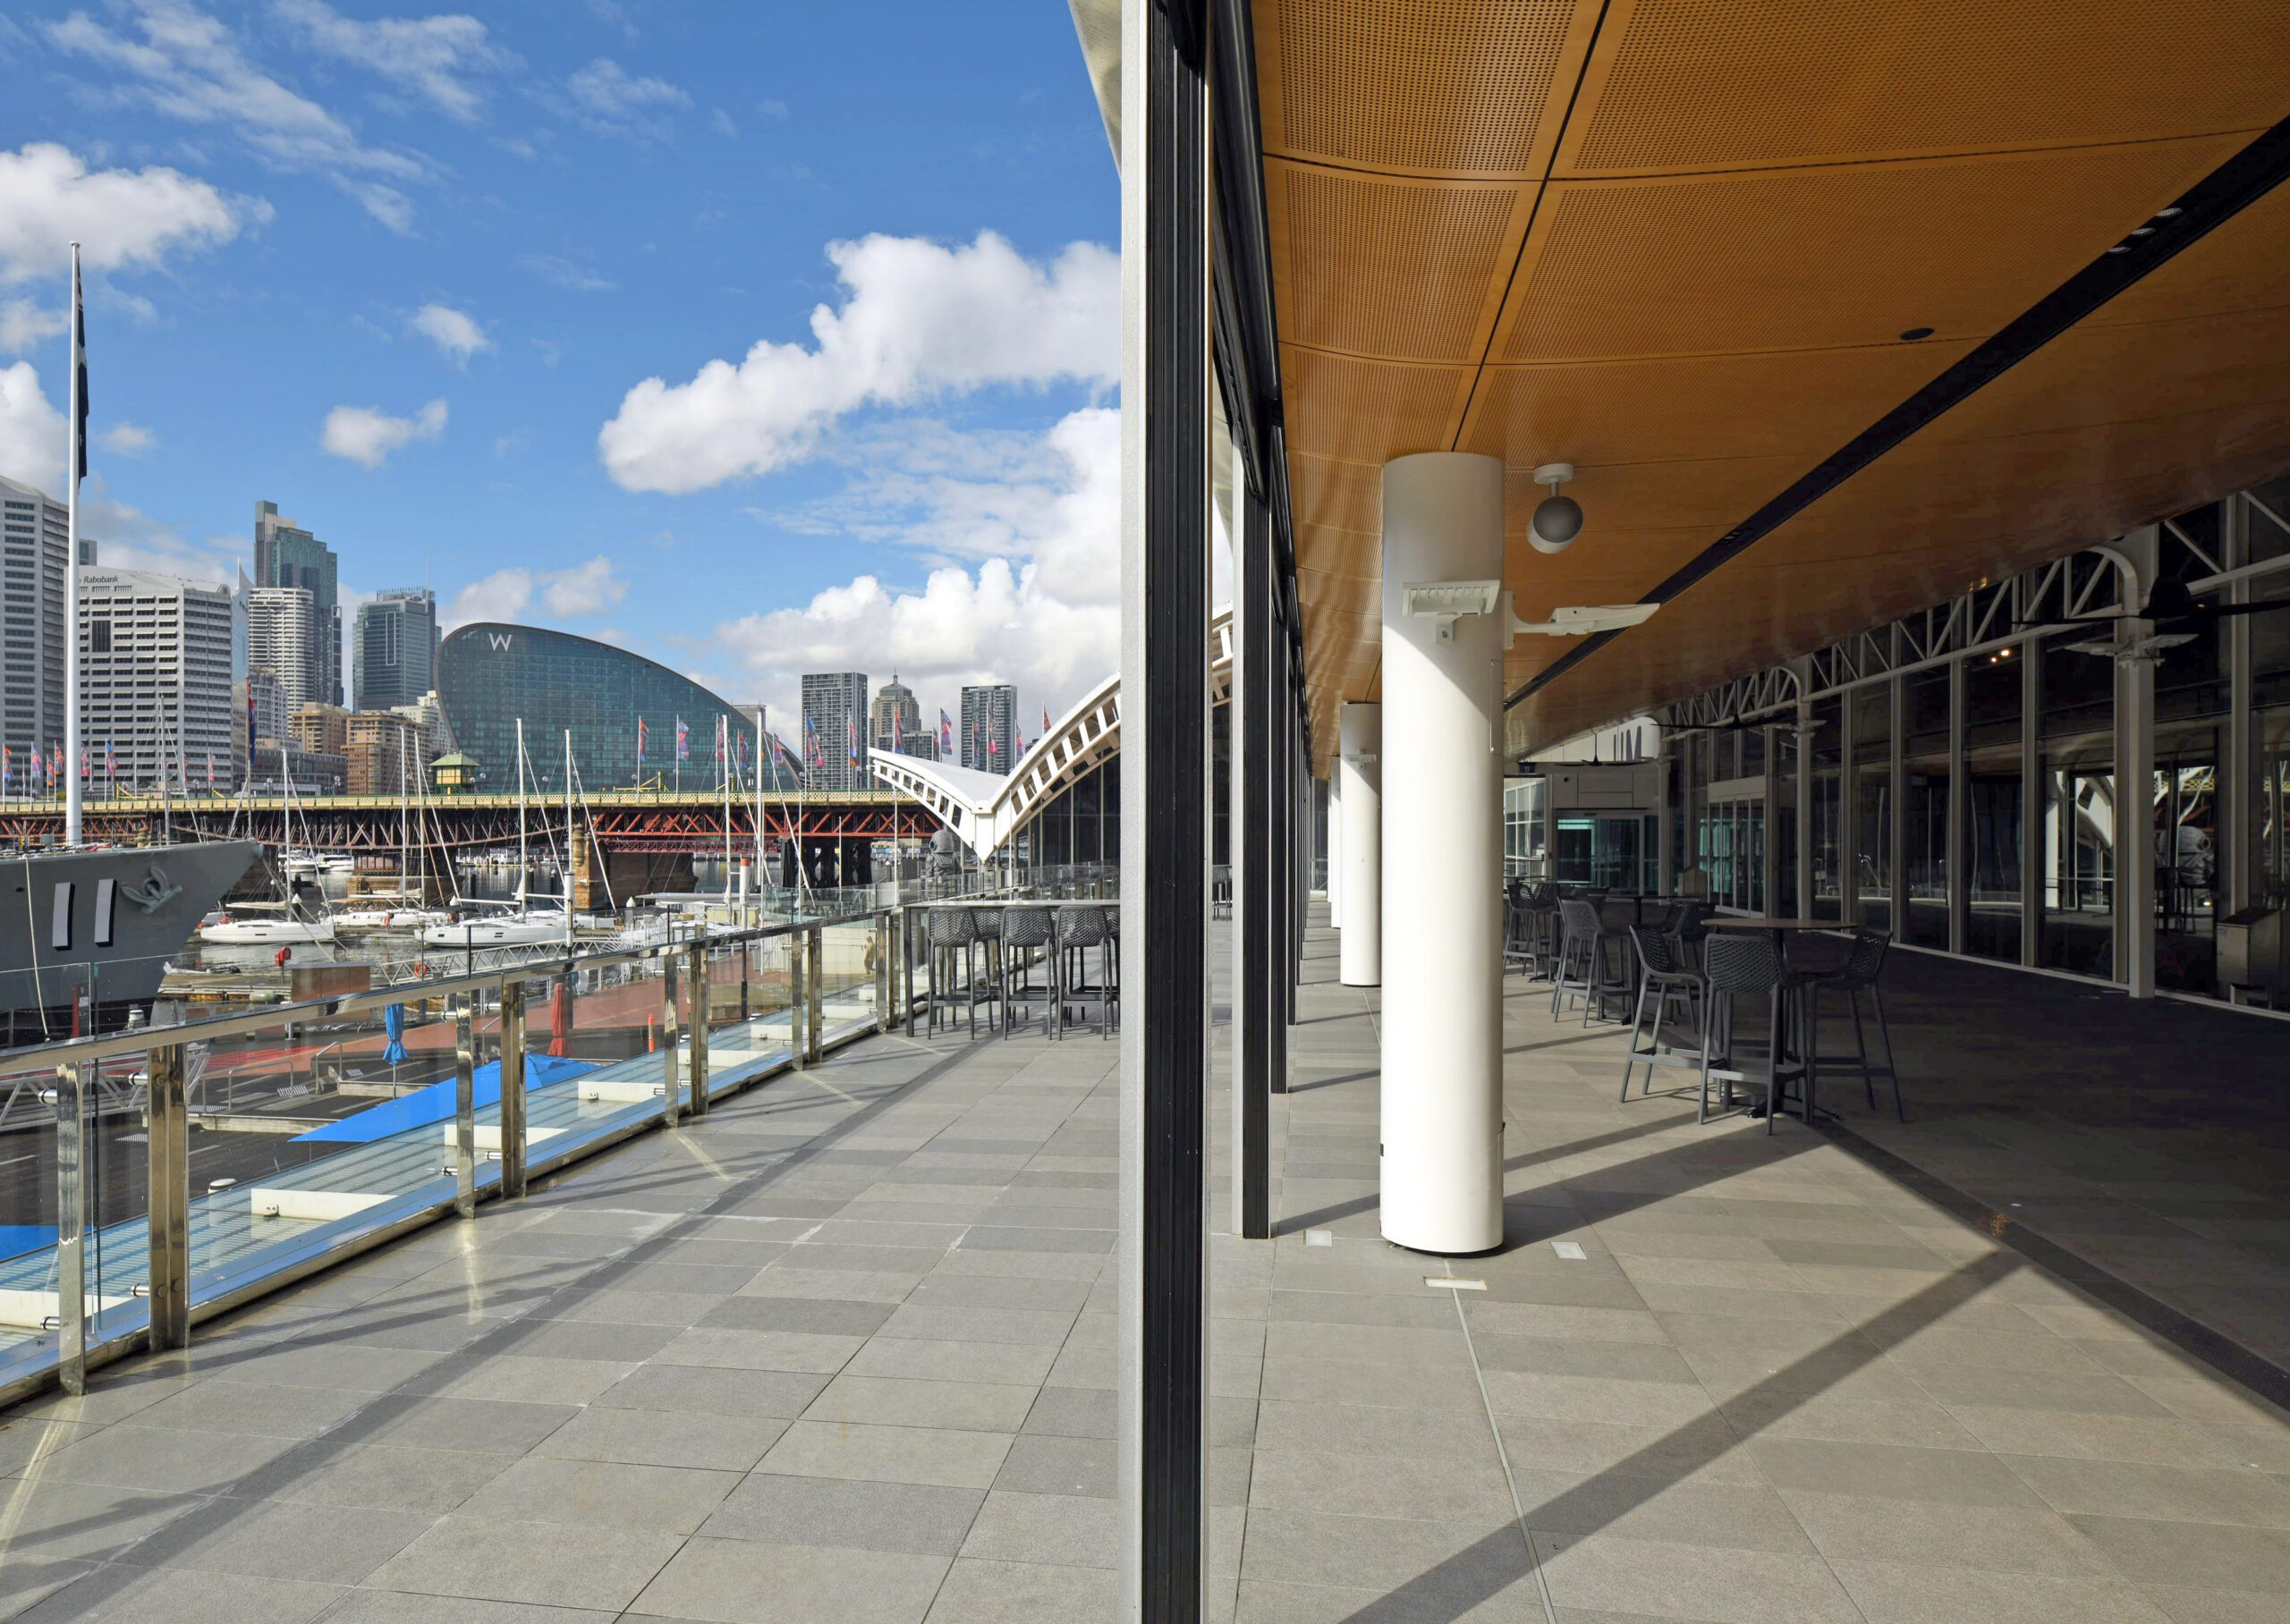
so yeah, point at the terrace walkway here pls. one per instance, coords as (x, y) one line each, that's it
(844, 1352)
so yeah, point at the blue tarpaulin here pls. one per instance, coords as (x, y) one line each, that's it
(17, 1238)
(435, 1103)
(393, 1029)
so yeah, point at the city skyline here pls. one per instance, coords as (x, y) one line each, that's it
(890, 383)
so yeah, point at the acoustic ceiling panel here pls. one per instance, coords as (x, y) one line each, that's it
(1797, 406)
(1802, 258)
(1368, 412)
(1402, 269)
(1678, 85)
(1436, 86)
(1345, 554)
(1340, 495)
(2243, 266)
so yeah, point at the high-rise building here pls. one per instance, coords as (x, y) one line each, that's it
(834, 730)
(321, 728)
(281, 624)
(892, 716)
(387, 751)
(287, 555)
(989, 727)
(258, 714)
(154, 678)
(393, 649)
(32, 550)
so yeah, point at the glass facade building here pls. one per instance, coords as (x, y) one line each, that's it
(2032, 774)
(490, 676)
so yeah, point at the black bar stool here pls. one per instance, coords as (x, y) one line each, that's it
(1863, 967)
(1739, 964)
(1667, 1023)
(1026, 930)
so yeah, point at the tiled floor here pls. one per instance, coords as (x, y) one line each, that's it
(843, 1353)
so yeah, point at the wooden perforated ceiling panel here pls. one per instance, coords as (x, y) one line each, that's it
(1678, 243)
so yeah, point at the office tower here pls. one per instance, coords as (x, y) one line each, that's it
(834, 730)
(989, 727)
(32, 550)
(155, 680)
(892, 716)
(393, 648)
(259, 698)
(385, 749)
(321, 728)
(282, 623)
(287, 555)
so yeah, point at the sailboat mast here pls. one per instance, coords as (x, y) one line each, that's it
(724, 757)
(568, 840)
(524, 874)
(78, 460)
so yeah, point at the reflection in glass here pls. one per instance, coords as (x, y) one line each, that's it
(1872, 751)
(1924, 804)
(1826, 748)
(1993, 805)
(2078, 748)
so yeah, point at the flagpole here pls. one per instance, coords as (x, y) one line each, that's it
(78, 454)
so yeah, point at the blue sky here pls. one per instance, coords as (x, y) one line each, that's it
(406, 273)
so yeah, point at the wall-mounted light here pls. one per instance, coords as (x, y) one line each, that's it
(1557, 519)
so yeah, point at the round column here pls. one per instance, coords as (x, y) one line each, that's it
(1359, 733)
(1336, 847)
(1442, 1167)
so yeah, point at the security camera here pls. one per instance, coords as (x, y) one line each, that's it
(1557, 519)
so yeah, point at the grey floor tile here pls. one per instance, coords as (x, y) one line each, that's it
(381, 1477)
(283, 1540)
(1991, 1539)
(889, 1454)
(743, 1582)
(181, 1596)
(1377, 1553)
(1635, 1577)
(922, 1519)
(162, 1459)
(808, 1352)
(520, 1378)
(545, 1489)
(2163, 1494)
(546, 1564)
(59, 1523)
(932, 1360)
(1889, 1472)
(901, 1401)
(1040, 1463)
(817, 1315)
(984, 1592)
(708, 1390)
(1070, 1530)
(483, 1426)
(1891, 1592)
(2208, 1555)
(671, 1438)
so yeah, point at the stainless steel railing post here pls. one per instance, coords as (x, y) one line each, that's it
(746, 964)
(815, 993)
(906, 944)
(798, 999)
(886, 971)
(464, 1107)
(671, 1090)
(169, 1198)
(696, 973)
(513, 1090)
(71, 1231)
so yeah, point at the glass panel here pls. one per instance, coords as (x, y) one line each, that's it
(1784, 825)
(2186, 821)
(1924, 809)
(2078, 749)
(1993, 804)
(1872, 744)
(1828, 752)
(2270, 810)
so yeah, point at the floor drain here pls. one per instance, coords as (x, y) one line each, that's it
(1571, 1250)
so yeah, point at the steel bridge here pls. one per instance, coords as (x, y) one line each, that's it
(689, 821)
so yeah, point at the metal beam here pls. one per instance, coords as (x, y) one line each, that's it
(1161, 1370)
(1259, 707)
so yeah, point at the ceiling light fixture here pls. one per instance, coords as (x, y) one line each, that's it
(1914, 334)
(1556, 520)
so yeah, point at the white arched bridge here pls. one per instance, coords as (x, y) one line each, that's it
(987, 811)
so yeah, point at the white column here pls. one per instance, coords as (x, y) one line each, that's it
(1442, 1167)
(1359, 736)
(1336, 847)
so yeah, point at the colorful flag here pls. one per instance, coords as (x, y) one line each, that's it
(86, 772)
(850, 737)
(7, 767)
(946, 734)
(79, 360)
(210, 769)
(1045, 721)
(684, 740)
(811, 743)
(642, 734)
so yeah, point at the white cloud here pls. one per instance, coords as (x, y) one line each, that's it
(186, 64)
(436, 58)
(772, 109)
(455, 333)
(920, 320)
(23, 323)
(505, 594)
(128, 539)
(31, 431)
(609, 98)
(124, 219)
(566, 274)
(367, 434)
(721, 122)
(1023, 533)
(129, 439)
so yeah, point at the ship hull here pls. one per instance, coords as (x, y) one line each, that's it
(95, 929)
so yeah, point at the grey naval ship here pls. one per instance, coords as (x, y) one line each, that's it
(99, 924)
